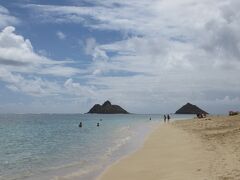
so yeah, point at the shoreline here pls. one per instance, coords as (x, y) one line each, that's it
(146, 137)
(182, 150)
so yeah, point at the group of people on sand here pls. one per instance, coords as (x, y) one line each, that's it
(166, 118)
(199, 115)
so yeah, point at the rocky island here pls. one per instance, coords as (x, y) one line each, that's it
(107, 108)
(190, 109)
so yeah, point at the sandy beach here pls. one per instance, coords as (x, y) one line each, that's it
(187, 149)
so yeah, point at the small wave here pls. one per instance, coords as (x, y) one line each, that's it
(117, 146)
(69, 165)
(76, 174)
(123, 129)
(24, 175)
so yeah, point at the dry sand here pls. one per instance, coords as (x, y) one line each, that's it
(185, 150)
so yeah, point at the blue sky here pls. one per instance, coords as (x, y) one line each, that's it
(149, 56)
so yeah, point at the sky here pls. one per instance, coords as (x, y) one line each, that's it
(148, 56)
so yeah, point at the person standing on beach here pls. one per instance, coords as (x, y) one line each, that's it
(168, 117)
(165, 118)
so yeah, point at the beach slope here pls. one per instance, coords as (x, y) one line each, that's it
(189, 149)
(169, 153)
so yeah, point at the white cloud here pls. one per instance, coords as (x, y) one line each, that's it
(60, 70)
(61, 35)
(142, 17)
(7, 19)
(16, 50)
(91, 48)
(18, 55)
(79, 90)
(34, 86)
(23, 70)
(178, 51)
(229, 100)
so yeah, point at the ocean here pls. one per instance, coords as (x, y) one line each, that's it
(53, 147)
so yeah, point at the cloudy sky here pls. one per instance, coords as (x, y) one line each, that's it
(149, 56)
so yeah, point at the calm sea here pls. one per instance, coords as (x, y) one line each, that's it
(52, 146)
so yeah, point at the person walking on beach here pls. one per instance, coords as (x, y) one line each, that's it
(168, 117)
(165, 118)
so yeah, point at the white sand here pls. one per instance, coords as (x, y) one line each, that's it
(169, 153)
(206, 149)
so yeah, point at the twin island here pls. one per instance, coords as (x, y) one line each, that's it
(108, 108)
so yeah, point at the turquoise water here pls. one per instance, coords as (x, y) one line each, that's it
(52, 146)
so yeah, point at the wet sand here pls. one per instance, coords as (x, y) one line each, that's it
(188, 149)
